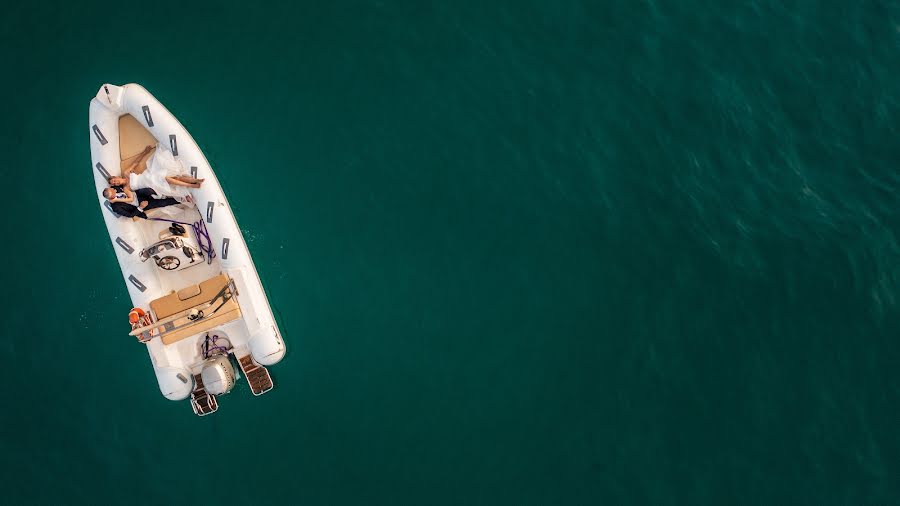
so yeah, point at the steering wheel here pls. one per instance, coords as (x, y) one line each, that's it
(168, 263)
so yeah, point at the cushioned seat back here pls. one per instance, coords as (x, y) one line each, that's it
(133, 138)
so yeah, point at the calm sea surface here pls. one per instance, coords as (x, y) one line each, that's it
(550, 253)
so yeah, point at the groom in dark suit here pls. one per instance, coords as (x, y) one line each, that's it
(146, 201)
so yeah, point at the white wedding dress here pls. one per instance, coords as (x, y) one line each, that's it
(162, 164)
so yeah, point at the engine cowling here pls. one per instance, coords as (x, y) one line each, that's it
(218, 375)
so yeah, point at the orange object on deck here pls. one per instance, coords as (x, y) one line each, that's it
(136, 317)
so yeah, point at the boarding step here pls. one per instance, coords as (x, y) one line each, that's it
(202, 402)
(257, 376)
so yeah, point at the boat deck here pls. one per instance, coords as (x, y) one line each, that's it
(151, 230)
(179, 347)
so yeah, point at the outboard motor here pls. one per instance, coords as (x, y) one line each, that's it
(218, 375)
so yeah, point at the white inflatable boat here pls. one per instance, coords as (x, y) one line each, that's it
(196, 294)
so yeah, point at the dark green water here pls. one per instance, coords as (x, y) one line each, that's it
(627, 252)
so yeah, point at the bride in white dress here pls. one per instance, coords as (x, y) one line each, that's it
(164, 174)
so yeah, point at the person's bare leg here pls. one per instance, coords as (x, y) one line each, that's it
(178, 182)
(189, 179)
(174, 181)
(145, 154)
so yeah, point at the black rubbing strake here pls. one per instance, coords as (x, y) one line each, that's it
(140, 286)
(147, 116)
(103, 171)
(99, 135)
(125, 246)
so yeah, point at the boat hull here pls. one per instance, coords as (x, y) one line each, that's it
(256, 332)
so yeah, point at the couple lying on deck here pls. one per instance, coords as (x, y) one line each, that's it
(159, 185)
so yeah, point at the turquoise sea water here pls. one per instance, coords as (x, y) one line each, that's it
(616, 252)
